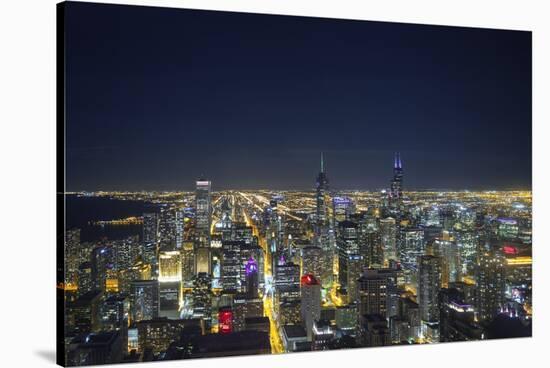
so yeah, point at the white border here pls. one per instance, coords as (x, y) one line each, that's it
(27, 151)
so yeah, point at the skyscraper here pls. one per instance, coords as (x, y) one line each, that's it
(490, 285)
(412, 245)
(145, 299)
(187, 262)
(310, 260)
(370, 246)
(103, 266)
(170, 266)
(388, 232)
(429, 284)
(231, 265)
(377, 292)
(203, 218)
(348, 249)
(451, 265)
(203, 212)
(322, 225)
(322, 199)
(150, 237)
(396, 187)
(342, 208)
(310, 291)
(167, 228)
(72, 247)
(252, 281)
(202, 298)
(127, 251)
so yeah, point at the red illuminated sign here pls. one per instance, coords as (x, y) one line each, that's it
(225, 318)
(309, 279)
(508, 249)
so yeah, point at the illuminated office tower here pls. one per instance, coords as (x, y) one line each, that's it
(287, 293)
(103, 263)
(451, 265)
(287, 276)
(273, 227)
(310, 261)
(203, 212)
(144, 299)
(179, 226)
(323, 227)
(167, 229)
(342, 208)
(245, 307)
(322, 201)
(170, 266)
(231, 266)
(202, 298)
(150, 237)
(388, 234)
(138, 271)
(203, 261)
(310, 291)
(255, 252)
(113, 314)
(429, 284)
(242, 232)
(375, 292)
(370, 246)
(412, 246)
(354, 267)
(85, 280)
(187, 262)
(252, 281)
(347, 244)
(508, 228)
(169, 283)
(72, 259)
(467, 242)
(490, 285)
(127, 251)
(289, 310)
(226, 222)
(396, 186)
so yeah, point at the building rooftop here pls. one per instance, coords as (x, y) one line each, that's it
(294, 331)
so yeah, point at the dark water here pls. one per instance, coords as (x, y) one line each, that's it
(83, 210)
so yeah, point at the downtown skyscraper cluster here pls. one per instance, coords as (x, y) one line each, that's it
(255, 272)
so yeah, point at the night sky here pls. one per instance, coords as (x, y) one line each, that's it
(158, 97)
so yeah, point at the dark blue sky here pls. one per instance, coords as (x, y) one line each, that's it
(157, 97)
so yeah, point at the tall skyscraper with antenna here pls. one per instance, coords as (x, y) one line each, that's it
(322, 198)
(323, 224)
(396, 187)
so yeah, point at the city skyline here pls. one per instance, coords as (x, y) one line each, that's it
(241, 184)
(189, 185)
(153, 108)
